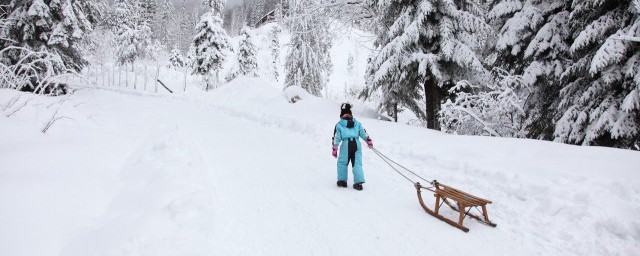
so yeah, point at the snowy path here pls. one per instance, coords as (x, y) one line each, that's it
(217, 175)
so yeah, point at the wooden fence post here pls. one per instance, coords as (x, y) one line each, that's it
(185, 78)
(126, 78)
(146, 76)
(157, 77)
(119, 76)
(135, 75)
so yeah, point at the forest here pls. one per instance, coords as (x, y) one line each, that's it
(559, 70)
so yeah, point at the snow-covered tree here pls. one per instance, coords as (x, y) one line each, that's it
(185, 26)
(175, 59)
(247, 61)
(308, 62)
(133, 36)
(274, 38)
(164, 24)
(532, 41)
(424, 46)
(56, 27)
(600, 98)
(209, 43)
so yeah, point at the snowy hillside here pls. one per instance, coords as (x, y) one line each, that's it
(240, 171)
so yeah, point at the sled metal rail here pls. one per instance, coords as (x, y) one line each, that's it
(463, 202)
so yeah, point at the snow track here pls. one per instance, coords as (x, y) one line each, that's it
(240, 171)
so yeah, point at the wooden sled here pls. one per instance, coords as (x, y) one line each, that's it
(462, 201)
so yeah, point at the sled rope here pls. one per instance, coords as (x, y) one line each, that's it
(389, 161)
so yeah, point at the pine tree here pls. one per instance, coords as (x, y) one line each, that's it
(209, 43)
(532, 42)
(147, 10)
(133, 36)
(274, 34)
(248, 64)
(308, 62)
(176, 60)
(164, 22)
(423, 46)
(185, 27)
(55, 26)
(600, 99)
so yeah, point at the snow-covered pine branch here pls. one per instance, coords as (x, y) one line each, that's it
(598, 102)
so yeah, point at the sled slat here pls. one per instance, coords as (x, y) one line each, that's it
(465, 193)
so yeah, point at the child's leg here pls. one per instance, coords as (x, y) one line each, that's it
(343, 161)
(358, 173)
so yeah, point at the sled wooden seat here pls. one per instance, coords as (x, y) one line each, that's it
(463, 200)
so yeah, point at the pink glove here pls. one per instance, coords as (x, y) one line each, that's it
(335, 152)
(369, 142)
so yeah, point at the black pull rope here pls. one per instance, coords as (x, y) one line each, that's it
(388, 160)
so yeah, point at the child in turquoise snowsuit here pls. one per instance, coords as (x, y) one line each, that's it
(346, 138)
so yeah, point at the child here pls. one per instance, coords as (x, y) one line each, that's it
(345, 136)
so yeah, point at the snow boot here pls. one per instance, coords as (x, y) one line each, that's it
(342, 183)
(357, 186)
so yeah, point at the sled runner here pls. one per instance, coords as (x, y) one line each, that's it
(463, 200)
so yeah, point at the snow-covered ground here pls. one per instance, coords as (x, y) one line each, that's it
(240, 171)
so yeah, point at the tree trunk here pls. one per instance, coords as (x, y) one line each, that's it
(395, 112)
(432, 96)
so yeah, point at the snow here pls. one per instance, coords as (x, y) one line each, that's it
(240, 171)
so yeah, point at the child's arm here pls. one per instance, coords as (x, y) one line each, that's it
(365, 136)
(362, 132)
(337, 137)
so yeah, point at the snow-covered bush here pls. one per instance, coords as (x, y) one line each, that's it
(495, 109)
(38, 72)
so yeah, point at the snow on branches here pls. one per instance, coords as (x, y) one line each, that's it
(422, 43)
(248, 63)
(495, 109)
(209, 45)
(308, 62)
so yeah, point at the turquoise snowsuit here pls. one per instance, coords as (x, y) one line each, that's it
(350, 149)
